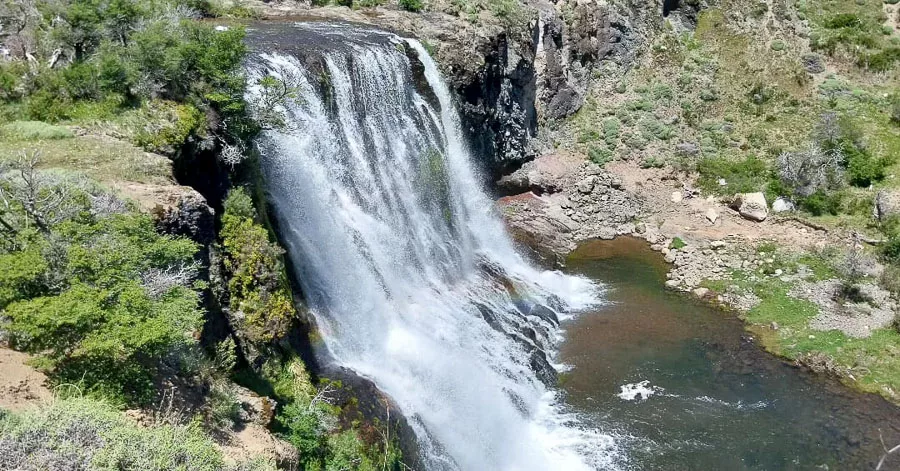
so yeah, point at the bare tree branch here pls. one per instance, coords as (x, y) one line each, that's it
(886, 452)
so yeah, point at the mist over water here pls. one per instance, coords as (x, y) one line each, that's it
(409, 272)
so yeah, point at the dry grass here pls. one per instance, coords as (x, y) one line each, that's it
(102, 158)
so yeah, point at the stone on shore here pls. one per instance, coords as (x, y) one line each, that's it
(751, 206)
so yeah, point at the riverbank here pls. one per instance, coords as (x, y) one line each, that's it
(785, 279)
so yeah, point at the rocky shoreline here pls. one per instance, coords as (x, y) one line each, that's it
(716, 253)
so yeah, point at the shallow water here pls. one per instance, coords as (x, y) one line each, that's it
(689, 389)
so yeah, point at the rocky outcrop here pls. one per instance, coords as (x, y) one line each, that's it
(887, 204)
(497, 100)
(189, 216)
(511, 75)
(570, 200)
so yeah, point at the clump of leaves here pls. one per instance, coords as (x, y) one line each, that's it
(257, 286)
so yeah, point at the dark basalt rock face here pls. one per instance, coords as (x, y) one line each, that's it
(570, 50)
(497, 104)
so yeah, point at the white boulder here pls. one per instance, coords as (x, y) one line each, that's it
(782, 204)
(752, 206)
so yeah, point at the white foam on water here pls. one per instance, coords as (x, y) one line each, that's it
(638, 391)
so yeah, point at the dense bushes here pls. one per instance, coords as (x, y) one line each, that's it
(313, 423)
(82, 435)
(857, 32)
(98, 294)
(410, 5)
(124, 53)
(257, 286)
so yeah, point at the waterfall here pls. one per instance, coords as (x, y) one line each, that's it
(407, 268)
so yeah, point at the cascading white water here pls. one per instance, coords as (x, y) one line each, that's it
(409, 272)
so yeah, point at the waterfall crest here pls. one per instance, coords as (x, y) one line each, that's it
(409, 272)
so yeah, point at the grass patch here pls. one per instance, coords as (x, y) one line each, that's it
(741, 176)
(677, 244)
(71, 433)
(33, 131)
(101, 158)
(871, 364)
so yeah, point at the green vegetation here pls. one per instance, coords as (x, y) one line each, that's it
(743, 109)
(146, 65)
(677, 244)
(92, 435)
(256, 283)
(781, 322)
(109, 307)
(90, 286)
(854, 30)
(411, 5)
(327, 436)
(737, 106)
(512, 13)
(744, 176)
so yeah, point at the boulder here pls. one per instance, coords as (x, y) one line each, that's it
(752, 206)
(587, 185)
(712, 215)
(782, 204)
(887, 204)
(677, 196)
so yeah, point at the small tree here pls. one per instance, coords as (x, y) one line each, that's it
(273, 94)
(44, 199)
(811, 170)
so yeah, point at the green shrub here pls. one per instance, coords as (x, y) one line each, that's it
(822, 202)
(653, 129)
(164, 126)
(653, 162)
(600, 155)
(880, 61)
(742, 176)
(86, 434)
(635, 141)
(708, 94)
(863, 168)
(662, 92)
(224, 409)
(185, 61)
(34, 131)
(641, 104)
(257, 286)
(588, 135)
(45, 105)
(11, 79)
(411, 5)
(93, 298)
(611, 129)
(304, 430)
(677, 244)
(843, 20)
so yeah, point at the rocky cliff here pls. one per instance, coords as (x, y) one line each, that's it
(513, 73)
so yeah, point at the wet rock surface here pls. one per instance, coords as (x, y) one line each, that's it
(574, 200)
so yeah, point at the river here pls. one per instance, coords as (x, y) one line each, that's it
(686, 387)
